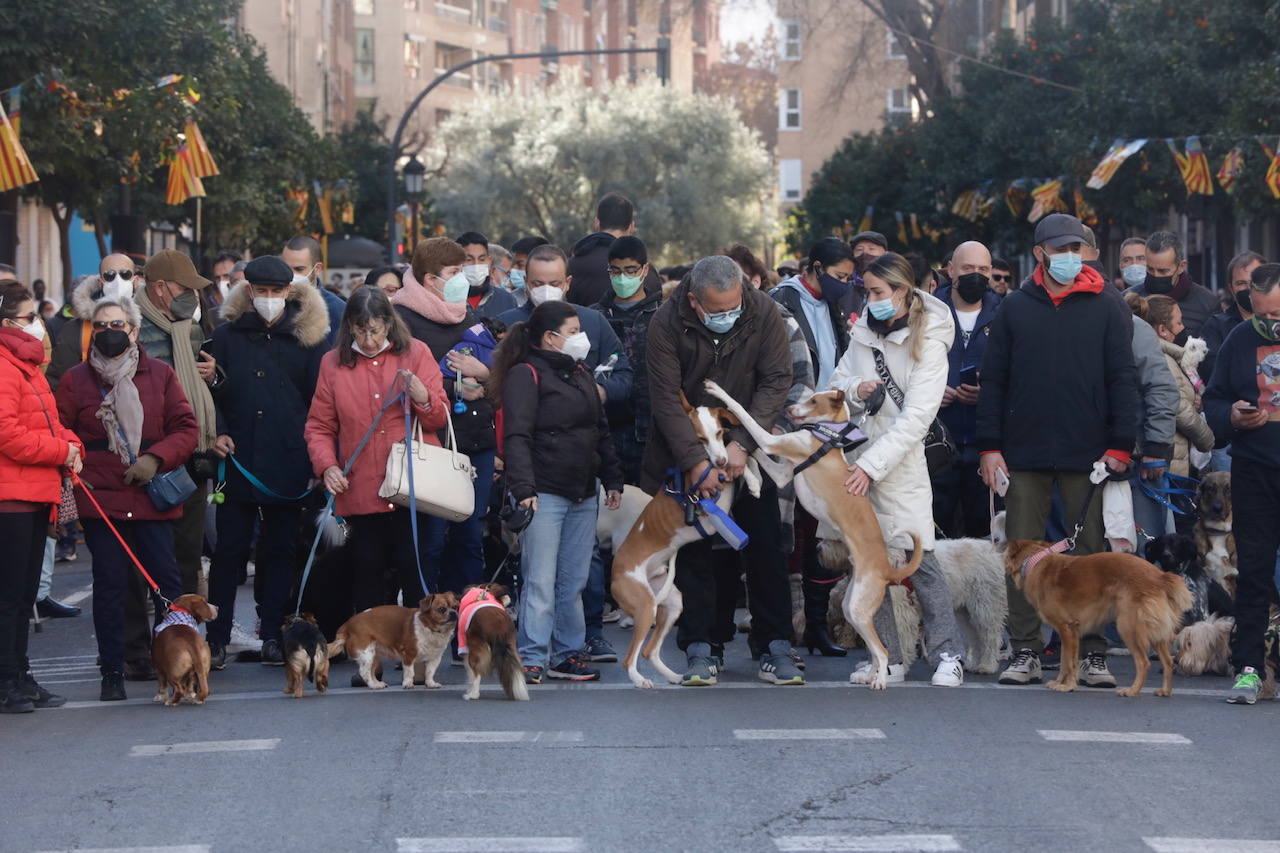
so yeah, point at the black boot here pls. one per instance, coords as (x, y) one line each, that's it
(112, 687)
(13, 700)
(39, 697)
(817, 637)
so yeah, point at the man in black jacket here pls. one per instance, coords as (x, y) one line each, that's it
(1059, 393)
(1167, 275)
(1217, 327)
(589, 264)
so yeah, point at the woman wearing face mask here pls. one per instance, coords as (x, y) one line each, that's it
(905, 333)
(375, 358)
(556, 445)
(1164, 315)
(433, 304)
(35, 449)
(135, 422)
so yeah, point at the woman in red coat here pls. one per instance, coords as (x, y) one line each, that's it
(373, 359)
(135, 422)
(34, 448)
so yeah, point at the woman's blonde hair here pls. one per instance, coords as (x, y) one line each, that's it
(895, 271)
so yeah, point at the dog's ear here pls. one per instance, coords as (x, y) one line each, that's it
(425, 602)
(310, 617)
(497, 590)
(684, 401)
(727, 418)
(204, 610)
(837, 396)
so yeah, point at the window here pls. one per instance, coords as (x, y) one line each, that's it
(893, 48)
(791, 41)
(364, 7)
(790, 177)
(455, 10)
(789, 109)
(899, 102)
(364, 55)
(449, 55)
(412, 56)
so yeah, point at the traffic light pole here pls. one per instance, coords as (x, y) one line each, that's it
(663, 50)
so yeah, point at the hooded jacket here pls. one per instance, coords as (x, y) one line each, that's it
(631, 325)
(589, 267)
(1192, 429)
(1059, 386)
(751, 362)
(1248, 368)
(822, 322)
(72, 345)
(270, 377)
(33, 442)
(1157, 394)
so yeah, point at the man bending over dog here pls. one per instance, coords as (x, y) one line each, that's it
(1058, 392)
(714, 328)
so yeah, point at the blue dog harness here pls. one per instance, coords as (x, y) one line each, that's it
(696, 511)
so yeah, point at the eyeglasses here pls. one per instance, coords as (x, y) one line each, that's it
(30, 318)
(631, 270)
(369, 331)
(110, 275)
(103, 325)
(998, 277)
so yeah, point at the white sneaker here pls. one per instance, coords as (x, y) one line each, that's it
(950, 672)
(862, 675)
(1094, 672)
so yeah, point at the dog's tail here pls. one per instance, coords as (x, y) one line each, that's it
(510, 672)
(338, 646)
(917, 554)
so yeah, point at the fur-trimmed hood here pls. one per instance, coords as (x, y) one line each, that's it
(310, 324)
(88, 293)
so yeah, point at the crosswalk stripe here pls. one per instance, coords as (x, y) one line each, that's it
(1112, 737)
(1211, 845)
(808, 734)
(867, 843)
(507, 737)
(180, 848)
(493, 844)
(150, 749)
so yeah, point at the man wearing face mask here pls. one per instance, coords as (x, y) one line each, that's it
(1059, 393)
(269, 354)
(302, 255)
(712, 327)
(1133, 262)
(211, 299)
(866, 246)
(959, 497)
(115, 280)
(1167, 276)
(484, 298)
(1217, 327)
(588, 267)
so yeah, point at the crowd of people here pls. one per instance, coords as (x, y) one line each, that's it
(560, 376)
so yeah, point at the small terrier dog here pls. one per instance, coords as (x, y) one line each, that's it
(306, 654)
(487, 639)
(180, 655)
(417, 637)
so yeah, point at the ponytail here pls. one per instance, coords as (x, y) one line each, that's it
(513, 350)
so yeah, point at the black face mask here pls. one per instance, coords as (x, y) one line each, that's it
(832, 288)
(1159, 285)
(971, 287)
(1243, 301)
(1181, 338)
(111, 342)
(862, 263)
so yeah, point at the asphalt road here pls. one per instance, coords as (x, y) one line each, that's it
(743, 766)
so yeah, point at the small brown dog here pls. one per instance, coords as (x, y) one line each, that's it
(306, 654)
(179, 654)
(418, 637)
(487, 637)
(1213, 536)
(1080, 594)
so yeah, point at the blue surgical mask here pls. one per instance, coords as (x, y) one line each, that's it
(456, 289)
(722, 322)
(515, 279)
(1065, 267)
(1134, 274)
(882, 309)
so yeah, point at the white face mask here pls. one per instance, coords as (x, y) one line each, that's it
(269, 307)
(476, 274)
(386, 345)
(224, 287)
(576, 346)
(117, 289)
(195, 316)
(298, 278)
(545, 293)
(35, 330)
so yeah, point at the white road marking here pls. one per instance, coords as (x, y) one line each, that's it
(1112, 737)
(37, 661)
(78, 596)
(868, 843)
(181, 848)
(148, 749)
(808, 734)
(507, 737)
(70, 681)
(493, 844)
(1211, 845)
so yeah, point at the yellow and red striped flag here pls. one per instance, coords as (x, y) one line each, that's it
(1193, 166)
(902, 226)
(915, 228)
(201, 157)
(1119, 151)
(184, 183)
(1272, 178)
(1048, 199)
(966, 205)
(1232, 166)
(865, 224)
(15, 167)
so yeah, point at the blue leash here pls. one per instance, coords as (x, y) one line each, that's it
(413, 500)
(255, 482)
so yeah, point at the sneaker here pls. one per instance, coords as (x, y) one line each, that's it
(217, 655)
(112, 687)
(862, 675)
(1051, 657)
(39, 697)
(1245, 690)
(13, 700)
(1094, 672)
(271, 654)
(611, 614)
(51, 608)
(777, 667)
(533, 675)
(796, 659)
(950, 672)
(717, 656)
(1023, 669)
(701, 670)
(65, 554)
(598, 650)
(572, 669)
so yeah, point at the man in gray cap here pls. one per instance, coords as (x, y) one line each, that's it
(1059, 392)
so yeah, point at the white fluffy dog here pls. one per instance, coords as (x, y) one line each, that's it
(1193, 352)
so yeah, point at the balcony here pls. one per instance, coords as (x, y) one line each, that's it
(458, 11)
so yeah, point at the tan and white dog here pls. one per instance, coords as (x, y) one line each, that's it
(820, 488)
(643, 575)
(417, 637)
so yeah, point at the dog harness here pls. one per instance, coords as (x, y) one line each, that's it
(176, 616)
(474, 601)
(834, 436)
(696, 511)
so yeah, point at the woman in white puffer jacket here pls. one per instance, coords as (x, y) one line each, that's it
(911, 333)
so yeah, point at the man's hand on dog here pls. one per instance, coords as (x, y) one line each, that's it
(612, 499)
(710, 484)
(737, 460)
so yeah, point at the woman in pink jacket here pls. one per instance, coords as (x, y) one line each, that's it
(373, 359)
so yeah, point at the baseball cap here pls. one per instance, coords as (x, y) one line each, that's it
(172, 265)
(1060, 229)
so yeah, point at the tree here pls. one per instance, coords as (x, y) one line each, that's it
(748, 75)
(699, 178)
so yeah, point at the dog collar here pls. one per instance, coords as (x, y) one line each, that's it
(176, 616)
(1034, 560)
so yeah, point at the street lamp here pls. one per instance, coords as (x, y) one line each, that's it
(413, 172)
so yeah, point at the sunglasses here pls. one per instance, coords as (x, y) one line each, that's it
(995, 277)
(110, 275)
(103, 325)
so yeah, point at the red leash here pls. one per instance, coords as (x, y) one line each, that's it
(75, 478)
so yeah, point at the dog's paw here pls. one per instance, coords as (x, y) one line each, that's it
(159, 697)
(434, 685)
(1160, 691)
(643, 683)
(715, 391)
(470, 695)
(1059, 686)
(1130, 692)
(379, 685)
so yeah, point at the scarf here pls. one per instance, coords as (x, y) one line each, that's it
(121, 409)
(423, 301)
(184, 365)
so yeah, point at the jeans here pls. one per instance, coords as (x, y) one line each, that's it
(1255, 498)
(46, 570)
(594, 594)
(941, 634)
(960, 505)
(381, 559)
(152, 542)
(454, 550)
(273, 567)
(23, 537)
(555, 559)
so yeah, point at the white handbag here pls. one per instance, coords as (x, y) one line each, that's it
(442, 477)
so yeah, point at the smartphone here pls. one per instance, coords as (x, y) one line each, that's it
(1247, 410)
(969, 376)
(1002, 482)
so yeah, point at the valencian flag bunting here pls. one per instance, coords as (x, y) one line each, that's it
(1193, 166)
(202, 164)
(184, 183)
(1119, 151)
(1232, 166)
(1048, 199)
(15, 167)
